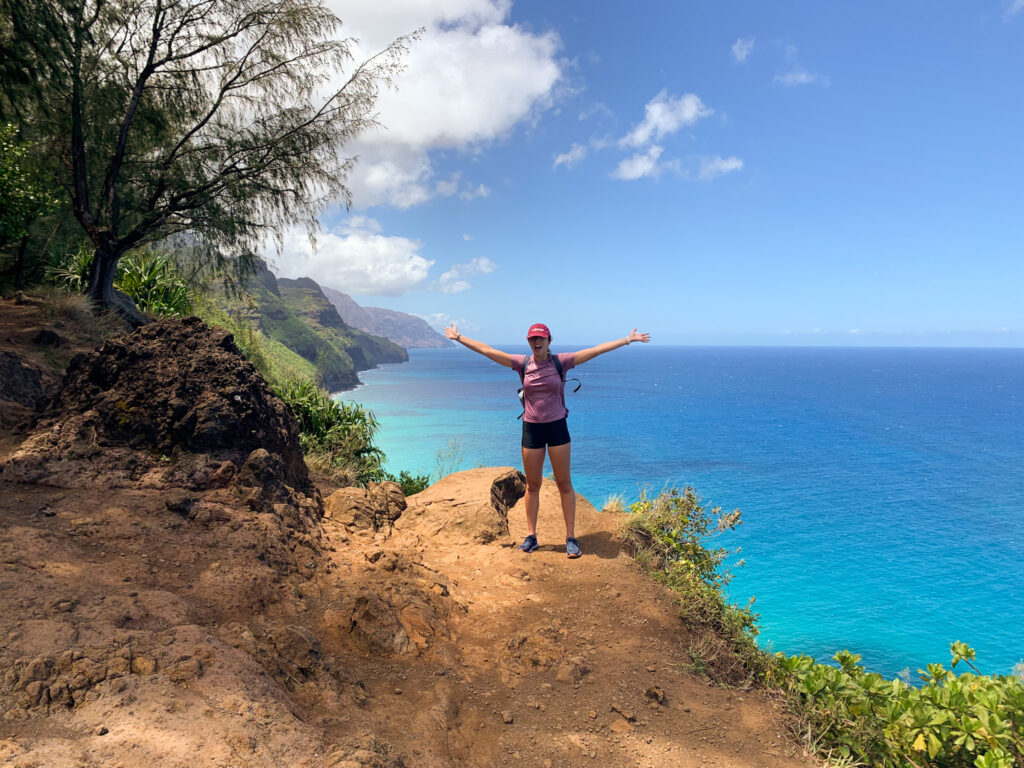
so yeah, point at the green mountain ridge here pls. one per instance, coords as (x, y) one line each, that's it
(303, 333)
(406, 330)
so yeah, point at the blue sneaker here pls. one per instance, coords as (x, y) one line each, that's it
(572, 548)
(529, 543)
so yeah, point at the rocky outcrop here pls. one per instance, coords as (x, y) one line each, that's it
(375, 506)
(171, 404)
(454, 508)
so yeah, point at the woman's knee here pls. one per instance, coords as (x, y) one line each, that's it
(564, 485)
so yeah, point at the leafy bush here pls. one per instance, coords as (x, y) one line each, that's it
(670, 536)
(72, 272)
(150, 279)
(336, 436)
(411, 484)
(25, 194)
(950, 721)
(154, 284)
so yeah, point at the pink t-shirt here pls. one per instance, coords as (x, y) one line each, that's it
(545, 398)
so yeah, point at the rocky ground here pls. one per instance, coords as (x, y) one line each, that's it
(175, 592)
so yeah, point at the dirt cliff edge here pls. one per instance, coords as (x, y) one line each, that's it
(174, 592)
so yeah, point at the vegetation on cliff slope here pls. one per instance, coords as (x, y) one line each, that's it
(949, 721)
(849, 716)
(291, 330)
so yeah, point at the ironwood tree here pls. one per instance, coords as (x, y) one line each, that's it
(223, 119)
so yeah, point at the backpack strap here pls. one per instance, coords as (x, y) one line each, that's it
(522, 389)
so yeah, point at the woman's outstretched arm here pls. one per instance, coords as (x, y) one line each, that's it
(503, 358)
(589, 354)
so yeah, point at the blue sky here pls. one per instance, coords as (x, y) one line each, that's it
(713, 173)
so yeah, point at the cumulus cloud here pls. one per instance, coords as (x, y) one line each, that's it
(639, 165)
(454, 280)
(569, 159)
(713, 167)
(801, 77)
(744, 46)
(665, 115)
(470, 79)
(355, 258)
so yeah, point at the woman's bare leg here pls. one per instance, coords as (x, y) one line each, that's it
(533, 468)
(560, 455)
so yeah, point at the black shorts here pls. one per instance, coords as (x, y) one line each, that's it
(550, 433)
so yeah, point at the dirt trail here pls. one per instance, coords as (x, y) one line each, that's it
(562, 662)
(172, 595)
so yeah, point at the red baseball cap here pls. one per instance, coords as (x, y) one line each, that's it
(538, 329)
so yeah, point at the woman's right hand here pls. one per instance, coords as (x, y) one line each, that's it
(452, 332)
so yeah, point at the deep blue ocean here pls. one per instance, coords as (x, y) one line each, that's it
(882, 490)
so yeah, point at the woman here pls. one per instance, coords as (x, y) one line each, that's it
(544, 424)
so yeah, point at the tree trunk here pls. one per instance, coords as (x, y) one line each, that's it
(102, 292)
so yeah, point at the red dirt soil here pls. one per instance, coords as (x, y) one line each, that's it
(173, 594)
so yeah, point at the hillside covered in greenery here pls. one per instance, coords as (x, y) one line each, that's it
(297, 333)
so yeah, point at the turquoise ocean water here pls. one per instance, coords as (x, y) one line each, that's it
(882, 490)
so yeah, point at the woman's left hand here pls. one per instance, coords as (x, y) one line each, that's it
(634, 336)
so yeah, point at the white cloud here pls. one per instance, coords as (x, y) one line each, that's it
(1015, 7)
(473, 194)
(441, 320)
(470, 79)
(601, 109)
(355, 258)
(664, 115)
(800, 77)
(466, 237)
(639, 165)
(796, 73)
(744, 46)
(454, 280)
(712, 167)
(569, 159)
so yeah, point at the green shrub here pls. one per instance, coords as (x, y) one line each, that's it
(669, 536)
(154, 284)
(72, 272)
(411, 484)
(150, 279)
(969, 720)
(336, 436)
